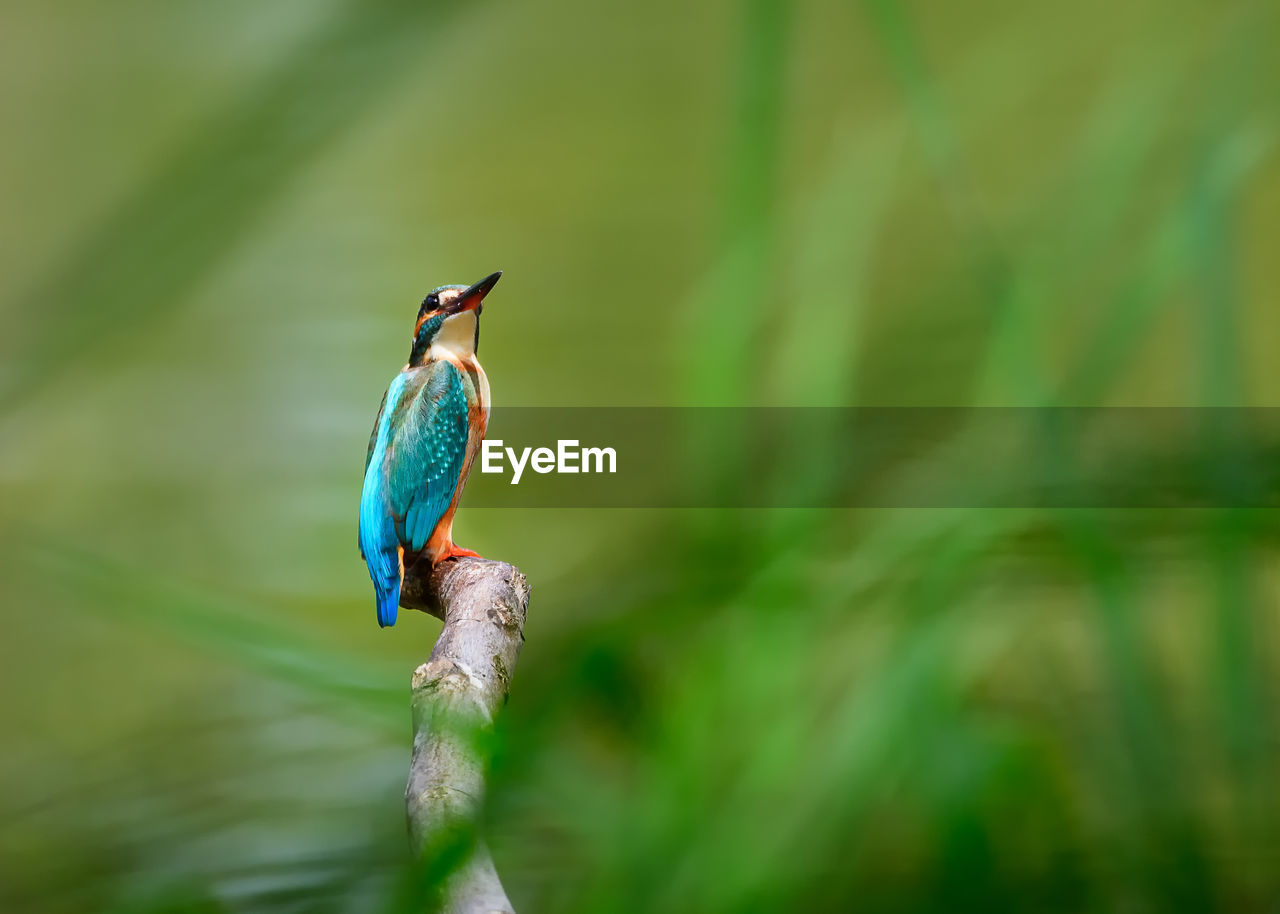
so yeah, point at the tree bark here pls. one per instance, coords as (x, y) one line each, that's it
(456, 695)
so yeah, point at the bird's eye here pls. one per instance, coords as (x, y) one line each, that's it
(430, 303)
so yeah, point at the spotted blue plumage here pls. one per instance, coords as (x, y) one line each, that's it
(415, 459)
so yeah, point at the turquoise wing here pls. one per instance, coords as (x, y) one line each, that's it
(373, 444)
(373, 435)
(430, 448)
(377, 535)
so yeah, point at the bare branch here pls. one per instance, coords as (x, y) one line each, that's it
(456, 695)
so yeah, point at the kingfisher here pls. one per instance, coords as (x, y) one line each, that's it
(427, 434)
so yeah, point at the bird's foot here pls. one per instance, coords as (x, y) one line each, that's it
(454, 552)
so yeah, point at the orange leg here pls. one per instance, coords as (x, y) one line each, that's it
(441, 546)
(454, 551)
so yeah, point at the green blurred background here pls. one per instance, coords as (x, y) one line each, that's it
(219, 221)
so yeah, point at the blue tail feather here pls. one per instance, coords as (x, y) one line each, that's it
(381, 549)
(388, 601)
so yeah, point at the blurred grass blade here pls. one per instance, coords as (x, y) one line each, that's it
(219, 624)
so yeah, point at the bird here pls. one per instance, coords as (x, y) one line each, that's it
(428, 431)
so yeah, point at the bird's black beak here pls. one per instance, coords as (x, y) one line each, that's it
(474, 296)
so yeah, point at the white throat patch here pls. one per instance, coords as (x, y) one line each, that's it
(457, 337)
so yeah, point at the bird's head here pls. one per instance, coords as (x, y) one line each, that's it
(449, 319)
